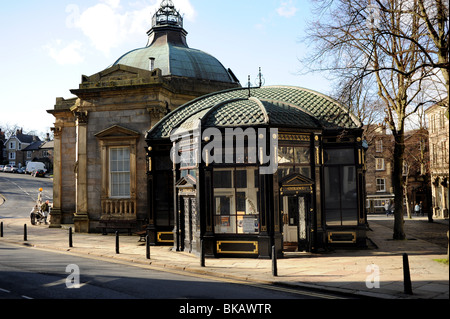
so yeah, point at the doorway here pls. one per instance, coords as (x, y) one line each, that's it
(188, 224)
(296, 224)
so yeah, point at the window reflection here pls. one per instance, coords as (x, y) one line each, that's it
(236, 206)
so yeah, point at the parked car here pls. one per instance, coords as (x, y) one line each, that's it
(2, 167)
(9, 168)
(38, 173)
(20, 170)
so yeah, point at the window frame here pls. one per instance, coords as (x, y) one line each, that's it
(234, 222)
(126, 173)
(379, 184)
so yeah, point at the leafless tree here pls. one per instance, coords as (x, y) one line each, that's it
(381, 46)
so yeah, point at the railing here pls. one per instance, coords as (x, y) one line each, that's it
(119, 208)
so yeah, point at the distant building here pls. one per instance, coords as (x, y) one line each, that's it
(438, 124)
(15, 145)
(379, 169)
(2, 147)
(39, 151)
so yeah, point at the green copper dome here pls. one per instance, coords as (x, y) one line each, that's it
(167, 50)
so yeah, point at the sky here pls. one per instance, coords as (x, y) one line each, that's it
(48, 45)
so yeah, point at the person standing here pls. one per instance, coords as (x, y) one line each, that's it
(417, 209)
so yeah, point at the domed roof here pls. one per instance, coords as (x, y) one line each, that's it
(168, 49)
(274, 106)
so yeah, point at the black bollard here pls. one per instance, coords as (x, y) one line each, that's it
(1, 229)
(25, 237)
(147, 246)
(70, 237)
(117, 242)
(406, 275)
(202, 254)
(274, 262)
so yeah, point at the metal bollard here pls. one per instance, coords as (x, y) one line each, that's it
(147, 246)
(70, 237)
(25, 237)
(406, 276)
(202, 254)
(274, 262)
(117, 242)
(1, 229)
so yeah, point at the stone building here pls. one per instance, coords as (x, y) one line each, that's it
(438, 126)
(100, 160)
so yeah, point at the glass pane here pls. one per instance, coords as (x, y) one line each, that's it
(222, 179)
(240, 203)
(248, 224)
(305, 171)
(225, 224)
(332, 188)
(241, 179)
(348, 189)
(333, 217)
(222, 205)
(339, 156)
(285, 154)
(349, 217)
(302, 155)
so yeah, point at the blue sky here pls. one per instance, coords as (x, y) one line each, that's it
(48, 45)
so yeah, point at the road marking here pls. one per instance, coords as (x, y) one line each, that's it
(26, 297)
(4, 290)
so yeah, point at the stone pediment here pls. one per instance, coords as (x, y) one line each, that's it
(296, 183)
(119, 75)
(116, 73)
(117, 132)
(186, 182)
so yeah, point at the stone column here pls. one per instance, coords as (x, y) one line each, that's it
(56, 213)
(81, 217)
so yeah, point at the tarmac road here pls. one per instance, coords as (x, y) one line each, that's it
(19, 192)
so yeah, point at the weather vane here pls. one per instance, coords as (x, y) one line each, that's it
(260, 80)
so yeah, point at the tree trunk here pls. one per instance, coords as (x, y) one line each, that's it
(397, 181)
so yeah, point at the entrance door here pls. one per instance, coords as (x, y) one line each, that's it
(295, 228)
(189, 224)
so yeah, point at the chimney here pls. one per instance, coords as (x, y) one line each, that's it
(152, 63)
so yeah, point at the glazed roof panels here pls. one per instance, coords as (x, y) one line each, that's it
(275, 106)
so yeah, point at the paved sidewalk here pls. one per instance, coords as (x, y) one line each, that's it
(340, 271)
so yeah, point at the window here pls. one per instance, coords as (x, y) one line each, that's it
(379, 146)
(294, 159)
(236, 206)
(12, 145)
(12, 155)
(379, 164)
(341, 196)
(381, 185)
(119, 168)
(444, 152)
(29, 154)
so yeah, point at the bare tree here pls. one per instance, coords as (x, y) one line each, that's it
(378, 42)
